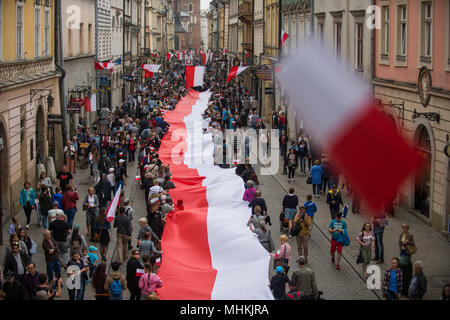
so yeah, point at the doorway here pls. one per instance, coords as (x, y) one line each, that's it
(422, 183)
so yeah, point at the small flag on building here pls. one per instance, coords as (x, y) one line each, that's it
(235, 71)
(108, 65)
(150, 69)
(284, 37)
(246, 53)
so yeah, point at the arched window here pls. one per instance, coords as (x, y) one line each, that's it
(422, 190)
(190, 7)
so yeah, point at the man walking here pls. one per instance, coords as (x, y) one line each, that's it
(124, 230)
(418, 286)
(336, 227)
(302, 238)
(51, 256)
(379, 222)
(60, 230)
(334, 200)
(393, 281)
(305, 280)
(115, 283)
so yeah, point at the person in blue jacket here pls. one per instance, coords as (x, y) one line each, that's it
(28, 201)
(316, 174)
(311, 208)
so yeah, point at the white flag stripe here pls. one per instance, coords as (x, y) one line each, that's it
(93, 102)
(113, 206)
(198, 76)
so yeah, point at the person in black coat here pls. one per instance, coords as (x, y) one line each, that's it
(334, 200)
(103, 190)
(13, 288)
(11, 264)
(132, 278)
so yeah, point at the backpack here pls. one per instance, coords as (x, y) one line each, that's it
(116, 288)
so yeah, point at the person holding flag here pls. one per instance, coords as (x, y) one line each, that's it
(135, 270)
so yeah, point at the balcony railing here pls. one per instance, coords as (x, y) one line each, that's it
(21, 69)
(245, 11)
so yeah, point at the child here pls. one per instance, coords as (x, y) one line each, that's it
(93, 258)
(311, 208)
(15, 226)
(58, 197)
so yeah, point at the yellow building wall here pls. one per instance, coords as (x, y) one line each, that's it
(9, 30)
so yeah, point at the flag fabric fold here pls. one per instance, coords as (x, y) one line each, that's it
(111, 213)
(108, 65)
(284, 37)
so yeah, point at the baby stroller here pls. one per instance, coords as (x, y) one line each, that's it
(284, 225)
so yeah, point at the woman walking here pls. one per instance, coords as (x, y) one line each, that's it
(366, 240)
(98, 282)
(290, 203)
(27, 201)
(292, 164)
(90, 204)
(283, 255)
(46, 181)
(264, 236)
(103, 225)
(407, 248)
(316, 176)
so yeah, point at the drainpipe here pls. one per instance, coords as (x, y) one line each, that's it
(59, 63)
(372, 55)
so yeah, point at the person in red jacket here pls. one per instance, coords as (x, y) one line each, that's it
(69, 201)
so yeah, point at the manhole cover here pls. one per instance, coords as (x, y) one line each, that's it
(439, 281)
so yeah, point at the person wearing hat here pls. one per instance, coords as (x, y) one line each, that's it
(278, 283)
(93, 258)
(305, 279)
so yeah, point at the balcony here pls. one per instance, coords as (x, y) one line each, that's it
(245, 12)
(26, 70)
(127, 21)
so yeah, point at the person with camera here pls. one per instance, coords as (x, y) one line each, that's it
(46, 289)
(80, 270)
(302, 224)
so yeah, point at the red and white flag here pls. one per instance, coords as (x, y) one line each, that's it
(108, 65)
(194, 76)
(158, 261)
(180, 55)
(363, 144)
(205, 58)
(169, 55)
(87, 104)
(150, 69)
(218, 243)
(225, 51)
(113, 205)
(155, 55)
(246, 53)
(284, 37)
(139, 272)
(138, 178)
(235, 71)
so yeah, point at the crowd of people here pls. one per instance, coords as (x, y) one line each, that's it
(138, 126)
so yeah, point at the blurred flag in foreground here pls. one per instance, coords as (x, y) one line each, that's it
(364, 145)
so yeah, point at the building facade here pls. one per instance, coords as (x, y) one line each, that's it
(117, 31)
(79, 55)
(412, 83)
(28, 96)
(204, 30)
(188, 12)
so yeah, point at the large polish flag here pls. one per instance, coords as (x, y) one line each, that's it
(194, 76)
(108, 65)
(209, 251)
(150, 69)
(235, 71)
(363, 143)
(111, 212)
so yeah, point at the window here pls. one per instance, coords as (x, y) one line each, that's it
(190, 41)
(359, 46)
(428, 30)
(81, 38)
(402, 30)
(37, 32)
(337, 39)
(385, 31)
(47, 32)
(320, 31)
(190, 29)
(190, 7)
(90, 37)
(19, 30)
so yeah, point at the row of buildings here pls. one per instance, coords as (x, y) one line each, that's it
(48, 49)
(399, 48)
